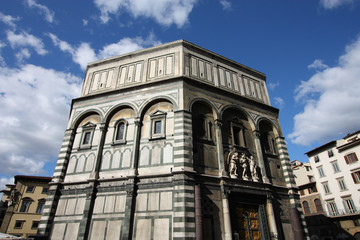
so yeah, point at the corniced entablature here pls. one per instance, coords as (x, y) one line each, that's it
(174, 60)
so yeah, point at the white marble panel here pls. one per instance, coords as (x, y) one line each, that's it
(126, 158)
(58, 231)
(169, 65)
(161, 229)
(153, 202)
(61, 207)
(109, 78)
(143, 229)
(106, 161)
(114, 229)
(80, 205)
(144, 156)
(98, 230)
(156, 155)
(152, 68)
(80, 164)
(72, 230)
(138, 72)
(70, 206)
(99, 204)
(72, 163)
(160, 71)
(141, 202)
(120, 203)
(90, 163)
(109, 204)
(116, 160)
(166, 200)
(168, 154)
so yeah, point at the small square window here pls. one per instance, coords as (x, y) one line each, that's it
(45, 190)
(87, 135)
(157, 125)
(35, 225)
(19, 224)
(120, 132)
(330, 153)
(30, 189)
(356, 177)
(351, 158)
(316, 159)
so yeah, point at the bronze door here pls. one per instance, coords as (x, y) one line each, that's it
(248, 222)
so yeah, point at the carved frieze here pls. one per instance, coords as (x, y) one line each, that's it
(245, 163)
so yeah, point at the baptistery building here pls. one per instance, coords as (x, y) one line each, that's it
(173, 142)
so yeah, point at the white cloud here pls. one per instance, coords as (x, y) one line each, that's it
(25, 39)
(22, 55)
(279, 102)
(34, 103)
(331, 4)
(272, 85)
(9, 20)
(85, 22)
(318, 65)
(165, 12)
(48, 14)
(2, 61)
(331, 99)
(225, 4)
(84, 54)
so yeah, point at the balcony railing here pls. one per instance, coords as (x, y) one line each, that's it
(341, 212)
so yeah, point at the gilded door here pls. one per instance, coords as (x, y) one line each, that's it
(248, 222)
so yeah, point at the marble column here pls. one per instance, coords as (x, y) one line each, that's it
(271, 218)
(256, 135)
(219, 148)
(226, 212)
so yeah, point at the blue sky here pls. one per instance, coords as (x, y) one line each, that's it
(309, 50)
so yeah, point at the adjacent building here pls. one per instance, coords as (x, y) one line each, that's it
(309, 196)
(25, 201)
(173, 142)
(337, 173)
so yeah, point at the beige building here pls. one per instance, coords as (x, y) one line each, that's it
(25, 203)
(309, 195)
(173, 142)
(337, 174)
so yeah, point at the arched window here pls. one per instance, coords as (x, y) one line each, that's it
(25, 204)
(318, 205)
(120, 132)
(40, 206)
(306, 207)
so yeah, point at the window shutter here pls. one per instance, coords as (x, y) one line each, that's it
(345, 206)
(355, 157)
(346, 159)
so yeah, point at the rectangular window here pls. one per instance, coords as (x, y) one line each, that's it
(349, 205)
(356, 176)
(321, 172)
(335, 167)
(45, 190)
(330, 153)
(326, 188)
(316, 159)
(40, 206)
(312, 189)
(302, 192)
(341, 184)
(332, 209)
(30, 189)
(87, 135)
(351, 158)
(25, 206)
(35, 225)
(19, 224)
(311, 179)
(157, 125)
